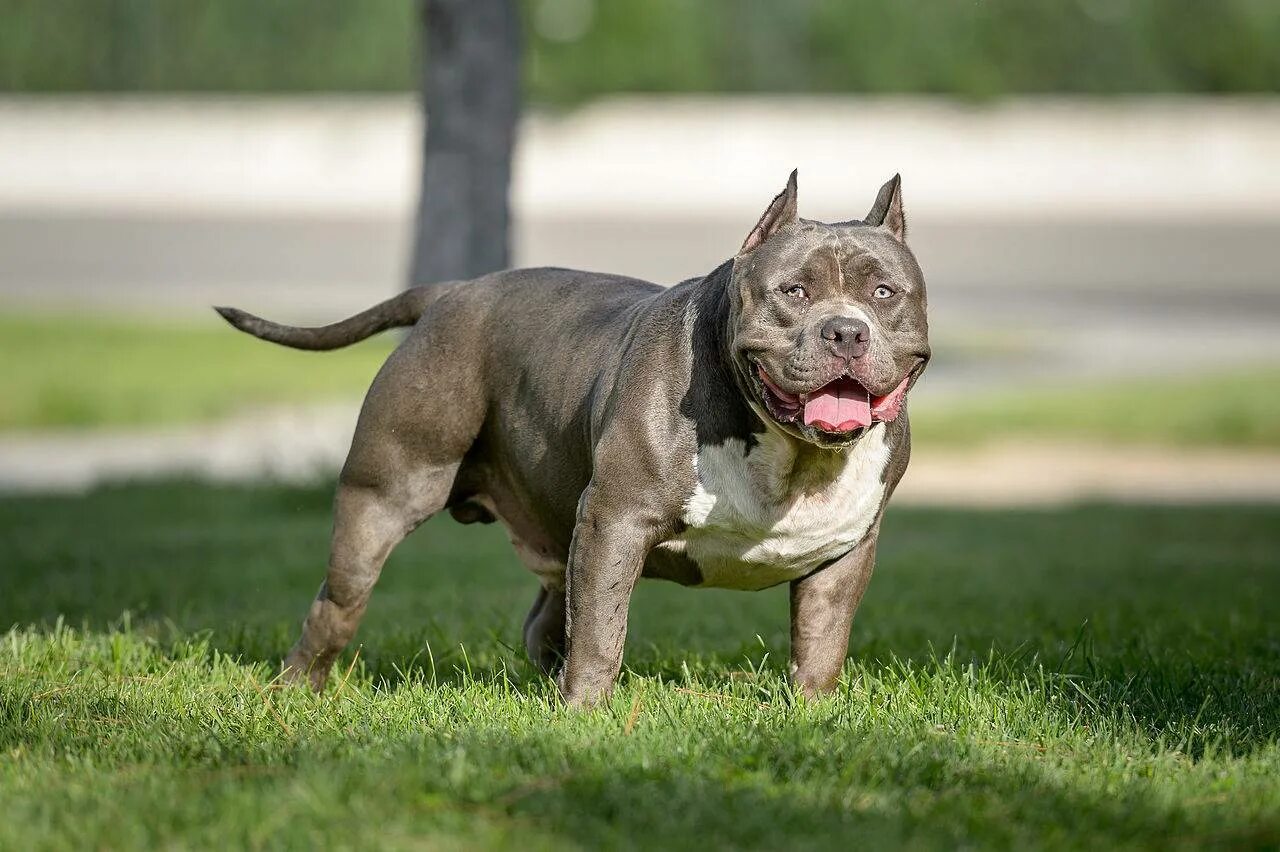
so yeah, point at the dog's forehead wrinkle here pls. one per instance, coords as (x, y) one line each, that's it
(885, 257)
(838, 262)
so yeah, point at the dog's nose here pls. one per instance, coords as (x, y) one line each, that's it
(846, 336)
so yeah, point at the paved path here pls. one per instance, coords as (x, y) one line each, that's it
(1031, 474)
(347, 156)
(300, 445)
(287, 444)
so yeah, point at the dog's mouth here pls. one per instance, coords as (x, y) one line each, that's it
(841, 408)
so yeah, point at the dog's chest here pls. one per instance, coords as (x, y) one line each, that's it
(761, 517)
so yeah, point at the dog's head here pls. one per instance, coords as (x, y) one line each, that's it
(828, 327)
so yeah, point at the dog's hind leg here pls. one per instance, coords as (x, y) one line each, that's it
(368, 523)
(544, 629)
(404, 458)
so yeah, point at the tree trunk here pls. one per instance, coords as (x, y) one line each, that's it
(471, 97)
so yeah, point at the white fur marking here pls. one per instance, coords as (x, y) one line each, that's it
(755, 519)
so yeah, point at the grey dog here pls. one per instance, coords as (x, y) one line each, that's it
(741, 429)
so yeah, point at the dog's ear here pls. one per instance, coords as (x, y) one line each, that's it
(780, 212)
(887, 211)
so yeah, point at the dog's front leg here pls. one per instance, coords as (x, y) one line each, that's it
(822, 608)
(606, 559)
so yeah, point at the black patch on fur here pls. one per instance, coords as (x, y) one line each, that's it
(676, 567)
(714, 400)
(471, 513)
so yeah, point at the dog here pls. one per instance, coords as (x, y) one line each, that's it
(741, 429)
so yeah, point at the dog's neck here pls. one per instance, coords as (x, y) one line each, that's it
(714, 303)
(716, 401)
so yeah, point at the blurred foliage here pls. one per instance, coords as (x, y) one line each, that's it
(201, 45)
(582, 48)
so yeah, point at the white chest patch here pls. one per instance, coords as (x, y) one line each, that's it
(759, 518)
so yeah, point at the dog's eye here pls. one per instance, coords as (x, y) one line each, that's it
(882, 292)
(796, 290)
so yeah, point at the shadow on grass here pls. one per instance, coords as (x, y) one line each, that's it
(885, 792)
(676, 781)
(1161, 615)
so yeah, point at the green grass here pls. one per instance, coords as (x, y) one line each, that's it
(94, 371)
(80, 371)
(1237, 410)
(1097, 677)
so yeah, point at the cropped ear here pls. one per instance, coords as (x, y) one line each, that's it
(887, 211)
(781, 212)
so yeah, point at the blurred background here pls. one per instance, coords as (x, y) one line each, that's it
(1092, 188)
(1071, 639)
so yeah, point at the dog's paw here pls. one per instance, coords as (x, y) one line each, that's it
(582, 696)
(296, 671)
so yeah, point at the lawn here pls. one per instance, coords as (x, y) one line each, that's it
(83, 371)
(99, 371)
(1096, 677)
(1240, 409)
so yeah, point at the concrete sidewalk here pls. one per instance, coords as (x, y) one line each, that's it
(356, 156)
(306, 444)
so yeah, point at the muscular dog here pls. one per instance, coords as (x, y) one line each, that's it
(741, 429)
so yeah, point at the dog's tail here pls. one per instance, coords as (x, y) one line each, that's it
(396, 312)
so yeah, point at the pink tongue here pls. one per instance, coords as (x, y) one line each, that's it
(841, 406)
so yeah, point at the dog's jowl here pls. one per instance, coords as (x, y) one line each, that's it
(741, 429)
